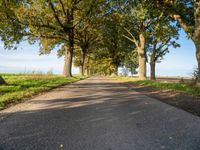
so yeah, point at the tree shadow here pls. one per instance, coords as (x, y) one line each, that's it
(112, 117)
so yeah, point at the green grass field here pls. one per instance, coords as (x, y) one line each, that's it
(21, 86)
(181, 87)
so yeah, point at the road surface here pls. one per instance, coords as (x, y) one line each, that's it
(97, 114)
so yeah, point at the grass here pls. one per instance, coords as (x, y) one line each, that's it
(21, 86)
(180, 87)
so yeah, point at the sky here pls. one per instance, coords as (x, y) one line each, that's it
(179, 62)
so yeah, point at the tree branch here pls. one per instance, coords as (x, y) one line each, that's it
(55, 14)
(161, 53)
(63, 8)
(132, 38)
(175, 15)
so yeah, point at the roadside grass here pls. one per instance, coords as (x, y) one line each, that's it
(180, 87)
(21, 86)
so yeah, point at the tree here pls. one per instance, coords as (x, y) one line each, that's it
(52, 23)
(139, 17)
(6, 28)
(187, 14)
(112, 39)
(86, 37)
(163, 36)
(131, 61)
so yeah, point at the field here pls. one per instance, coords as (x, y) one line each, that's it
(21, 86)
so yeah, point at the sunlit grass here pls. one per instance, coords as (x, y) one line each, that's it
(181, 87)
(25, 85)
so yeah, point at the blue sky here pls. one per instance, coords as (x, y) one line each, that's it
(26, 59)
(179, 62)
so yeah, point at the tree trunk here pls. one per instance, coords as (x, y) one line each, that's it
(82, 69)
(69, 46)
(153, 62)
(153, 70)
(68, 61)
(142, 66)
(142, 58)
(2, 81)
(88, 69)
(196, 35)
(116, 70)
(197, 44)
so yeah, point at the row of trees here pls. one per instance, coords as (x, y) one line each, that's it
(101, 35)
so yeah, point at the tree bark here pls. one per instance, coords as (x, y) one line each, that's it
(2, 81)
(196, 35)
(153, 62)
(68, 62)
(142, 66)
(153, 70)
(69, 46)
(82, 67)
(116, 70)
(197, 44)
(88, 69)
(82, 70)
(142, 58)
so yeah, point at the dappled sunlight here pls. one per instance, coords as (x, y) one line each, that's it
(121, 48)
(85, 110)
(81, 95)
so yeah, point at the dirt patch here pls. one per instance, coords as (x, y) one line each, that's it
(181, 100)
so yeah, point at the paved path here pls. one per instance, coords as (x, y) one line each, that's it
(97, 114)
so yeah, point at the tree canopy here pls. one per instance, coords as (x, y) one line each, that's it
(100, 35)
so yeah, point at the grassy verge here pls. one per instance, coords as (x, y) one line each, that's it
(25, 85)
(180, 87)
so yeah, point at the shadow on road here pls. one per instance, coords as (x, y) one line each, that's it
(98, 115)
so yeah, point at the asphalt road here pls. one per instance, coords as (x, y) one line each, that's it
(97, 114)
